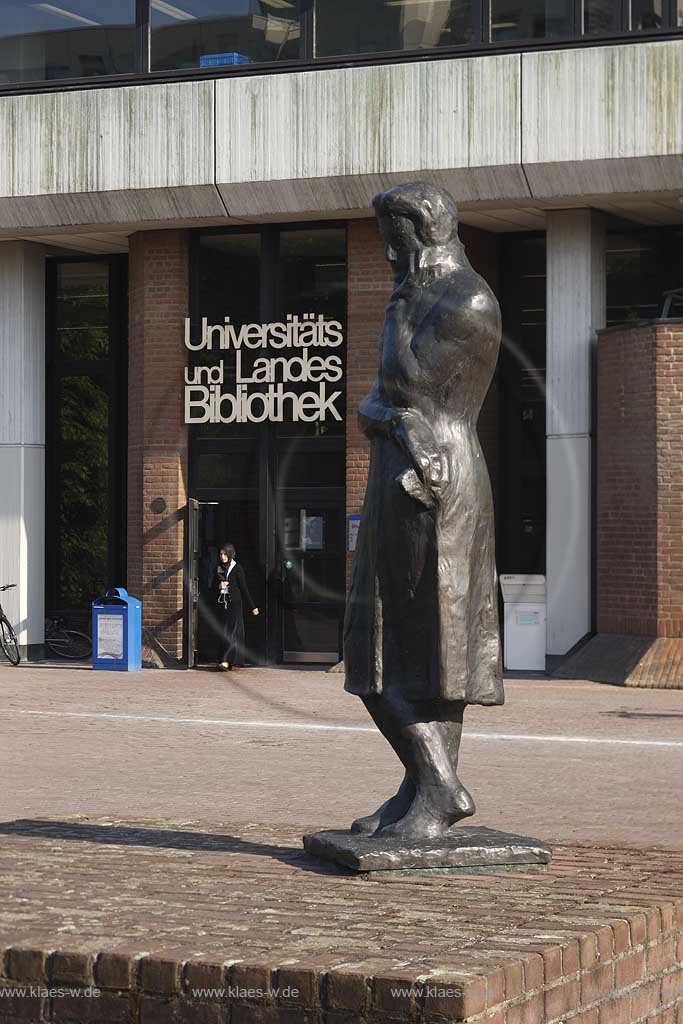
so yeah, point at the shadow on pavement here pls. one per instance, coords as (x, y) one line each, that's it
(166, 839)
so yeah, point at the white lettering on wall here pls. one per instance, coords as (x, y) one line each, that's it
(259, 392)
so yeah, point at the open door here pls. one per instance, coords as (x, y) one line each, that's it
(191, 579)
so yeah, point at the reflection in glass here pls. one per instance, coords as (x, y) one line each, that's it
(83, 501)
(83, 310)
(66, 39)
(530, 19)
(223, 33)
(371, 26)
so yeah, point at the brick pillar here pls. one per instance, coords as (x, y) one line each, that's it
(370, 283)
(157, 436)
(640, 480)
(369, 288)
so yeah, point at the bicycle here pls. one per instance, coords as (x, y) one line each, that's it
(67, 643)
(8, 638)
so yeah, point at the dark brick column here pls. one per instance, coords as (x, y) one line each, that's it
(157, 436)
(640, 480)
(370, 283)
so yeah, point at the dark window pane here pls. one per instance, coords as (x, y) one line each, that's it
(530, 19)
(646, 15)
(229, 286)
(371, 26)
(600, 17)
(234, 469)
(641, 267)
(311, 469)
(314, 630)
(83, 491)
(521, 386)
(70, 39)
(222, 33)
(312, 272)
(83, 310)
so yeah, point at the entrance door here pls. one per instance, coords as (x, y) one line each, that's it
(222, 522)
(311, 537)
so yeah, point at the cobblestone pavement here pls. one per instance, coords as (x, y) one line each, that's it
(562, 760)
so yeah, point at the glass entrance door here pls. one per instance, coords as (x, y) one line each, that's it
(311, 536)
(221, 522)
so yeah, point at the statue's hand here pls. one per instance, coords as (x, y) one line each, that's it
(414, 435)
(413, 486)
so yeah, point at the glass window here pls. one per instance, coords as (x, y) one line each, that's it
(646, 15)
(530, 19)
(371, 26)
(641, 267)
(86, 432)
(83, 310)
(521, 382)
(223, 33)
(229, 286)
(66, 39)
(312, 280)
(83, 502)
(600, 17)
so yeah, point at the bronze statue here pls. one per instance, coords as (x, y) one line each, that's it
(421, 637)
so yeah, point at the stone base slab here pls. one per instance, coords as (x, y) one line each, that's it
(643, 661)
(463, 849)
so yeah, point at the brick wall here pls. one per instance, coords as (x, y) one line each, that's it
(639, 480)
(370, 282)
(596, 940)
(669, 339)
(157, 437)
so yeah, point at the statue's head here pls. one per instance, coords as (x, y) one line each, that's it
(415, 216)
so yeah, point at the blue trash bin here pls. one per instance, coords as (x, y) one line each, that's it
(117, 631)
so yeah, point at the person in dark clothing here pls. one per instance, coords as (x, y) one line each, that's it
(233, 594)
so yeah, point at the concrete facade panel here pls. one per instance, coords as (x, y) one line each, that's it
(369, 121)
(22, 437)
(120, 142)
(576, 309)
(22, 344)
(603, 119)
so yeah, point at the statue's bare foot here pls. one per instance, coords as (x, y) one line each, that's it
(391, 810)
(425, 819)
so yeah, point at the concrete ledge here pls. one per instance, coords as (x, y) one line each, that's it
(233, 924)
(645, 661)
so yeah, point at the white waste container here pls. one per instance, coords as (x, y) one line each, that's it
(524, 622)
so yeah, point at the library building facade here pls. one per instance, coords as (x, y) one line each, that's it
(192, 288)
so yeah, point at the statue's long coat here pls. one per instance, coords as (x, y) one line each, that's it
(422, 610)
